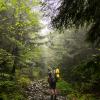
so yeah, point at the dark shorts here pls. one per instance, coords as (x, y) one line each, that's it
(52, 85)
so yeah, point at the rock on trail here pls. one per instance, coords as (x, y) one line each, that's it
(39, 90)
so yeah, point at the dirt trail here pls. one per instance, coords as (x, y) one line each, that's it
(38, 90)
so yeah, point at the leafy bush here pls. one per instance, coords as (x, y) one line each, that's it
(86, 76)
(12, 96)
(64, 87)
(3, 96)
(10, 90)
(6, 61)
(7, 86)
(36, 73)
(24, 81)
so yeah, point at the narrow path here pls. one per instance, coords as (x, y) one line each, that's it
(39, 90)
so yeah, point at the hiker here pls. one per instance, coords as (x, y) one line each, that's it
(52, 84)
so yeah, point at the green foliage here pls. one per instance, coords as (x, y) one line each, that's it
(7, 85)
(78, 96)
(76, 13)
(6, 65)
(36, 73)
(19, 21)
(3, 96)
(87, 75)
(24, 81)
(10, 90)
(17, 25)
(12, 96)
(64, 87)
(4, 55)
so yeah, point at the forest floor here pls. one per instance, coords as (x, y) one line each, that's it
(39, 90)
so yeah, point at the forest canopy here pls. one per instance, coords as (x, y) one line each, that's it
(76, 13)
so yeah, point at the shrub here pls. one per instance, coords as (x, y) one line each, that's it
(7, 86)
(3, 96)
(64, 87)
(12, 96)
(24, 81)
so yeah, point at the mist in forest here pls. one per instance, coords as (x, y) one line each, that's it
(39, 35)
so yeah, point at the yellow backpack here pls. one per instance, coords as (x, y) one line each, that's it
(57, 71)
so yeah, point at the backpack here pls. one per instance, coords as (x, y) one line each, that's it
(57, 72)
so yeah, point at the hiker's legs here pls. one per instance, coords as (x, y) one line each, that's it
(51, 97)
(55, 94)
(52, 92)
(55, 91)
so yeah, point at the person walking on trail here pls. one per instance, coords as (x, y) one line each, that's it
(52, 84)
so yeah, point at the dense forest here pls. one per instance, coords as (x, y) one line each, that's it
(37, 34)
